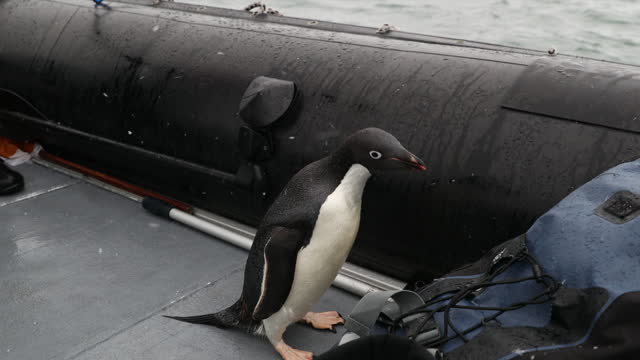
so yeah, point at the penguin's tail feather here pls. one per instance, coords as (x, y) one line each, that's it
(208, 319)
(227, 318)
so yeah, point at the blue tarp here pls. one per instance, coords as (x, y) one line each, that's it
(577, 247)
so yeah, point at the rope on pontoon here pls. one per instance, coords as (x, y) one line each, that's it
(262, 9)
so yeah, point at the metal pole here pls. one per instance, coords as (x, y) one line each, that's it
(351, 278)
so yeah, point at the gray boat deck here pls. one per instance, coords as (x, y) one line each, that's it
(86, 274)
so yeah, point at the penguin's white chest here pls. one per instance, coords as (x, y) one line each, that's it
(333, 235)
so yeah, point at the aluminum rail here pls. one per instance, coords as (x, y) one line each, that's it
(351, 278)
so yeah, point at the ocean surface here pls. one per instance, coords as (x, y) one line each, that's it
(601, 29)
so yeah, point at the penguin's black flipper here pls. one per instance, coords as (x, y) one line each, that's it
(280, 254)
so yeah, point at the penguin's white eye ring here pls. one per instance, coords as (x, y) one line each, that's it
(375, 155)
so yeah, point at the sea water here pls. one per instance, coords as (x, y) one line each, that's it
(601, 29)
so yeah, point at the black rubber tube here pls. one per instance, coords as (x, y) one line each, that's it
(157, 207)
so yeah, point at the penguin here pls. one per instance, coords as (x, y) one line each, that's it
(305, 238)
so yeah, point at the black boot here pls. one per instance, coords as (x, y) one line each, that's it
(10, 181)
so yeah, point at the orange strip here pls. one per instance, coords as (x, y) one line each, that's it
(9, 147)
(115, 182)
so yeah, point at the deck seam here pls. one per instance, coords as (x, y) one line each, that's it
(39, 193)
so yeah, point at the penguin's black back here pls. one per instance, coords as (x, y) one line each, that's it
(299, 202)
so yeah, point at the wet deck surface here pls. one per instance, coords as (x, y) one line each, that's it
(87, 274)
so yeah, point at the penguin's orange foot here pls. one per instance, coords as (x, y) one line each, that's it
(289, 353)
(323, 321)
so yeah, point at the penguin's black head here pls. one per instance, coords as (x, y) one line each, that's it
(377, 150)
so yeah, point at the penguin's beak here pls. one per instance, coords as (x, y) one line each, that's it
(411, 161)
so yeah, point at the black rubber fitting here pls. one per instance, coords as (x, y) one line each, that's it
(157, 207)
(11, 182)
